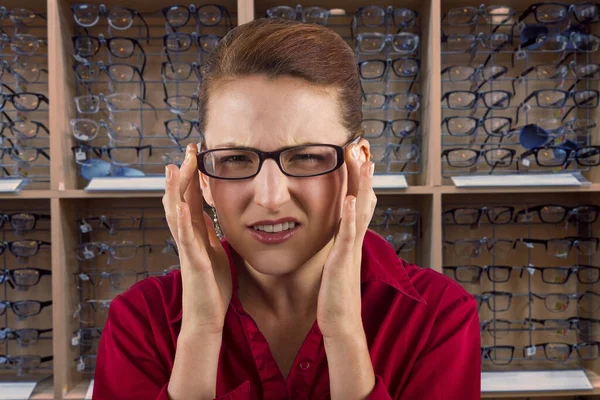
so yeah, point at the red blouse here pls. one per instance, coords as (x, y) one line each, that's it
(422, 330)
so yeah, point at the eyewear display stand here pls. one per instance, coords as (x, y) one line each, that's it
(146, 183)
(530, 180)
(407, 129)
(19, 388)
(530, 381)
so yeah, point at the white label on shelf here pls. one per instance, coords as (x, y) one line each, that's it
(562, 179)
(11, 185)
(88, 394)
(513, 381)
(530, 351)
(393, 181)
(80, 155)
(117, 183)
(16, 390)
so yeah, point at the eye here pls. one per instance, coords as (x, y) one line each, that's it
(307, 157)
(235, 158)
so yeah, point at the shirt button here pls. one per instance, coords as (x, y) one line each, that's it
(304, 366)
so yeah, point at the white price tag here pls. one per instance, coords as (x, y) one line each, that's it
(85, 227)
(80, 365)
(526, 162)
(80, 155)
(530, 351)
(526, 108)
(520, 54)
(531, 270)
(75, 339)
(88, 254)
(529, 245)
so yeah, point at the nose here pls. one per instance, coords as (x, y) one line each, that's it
(271, 187)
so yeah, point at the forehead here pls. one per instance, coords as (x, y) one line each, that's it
(269, 114)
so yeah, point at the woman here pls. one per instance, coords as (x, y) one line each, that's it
(300, 301)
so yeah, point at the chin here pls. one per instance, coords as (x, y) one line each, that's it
(280, 259)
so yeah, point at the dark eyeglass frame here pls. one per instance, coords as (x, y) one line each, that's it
(510, 154)
(194, 67)
(573, 241)
(486, 296)
(476, 97)
(480, 212)
(487, 350)
(105, 68)
(568, 155)
(11, 304)
(9, 245)
(386, 66)
(8, 275)
(299, 13)
(10, 124)
(193, 124)
(98, 151)
(479, 38)
(11, 98)
(193, 38)
(388, 15)
(389, 125)
(569, 271)
(17, 334)
(568, 297)
(275, 156)
(107, 41)
(479, 272)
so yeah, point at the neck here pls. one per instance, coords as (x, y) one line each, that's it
(282, 296)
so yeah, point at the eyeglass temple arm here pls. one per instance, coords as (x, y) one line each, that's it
(531, 95)
(144, 59)
(8, 87)
(147, 27)
(526, 13)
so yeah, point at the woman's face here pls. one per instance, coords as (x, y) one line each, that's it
(269, 115)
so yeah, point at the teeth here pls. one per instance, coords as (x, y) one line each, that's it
(275, 228)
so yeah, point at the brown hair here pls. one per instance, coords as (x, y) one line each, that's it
(274, 48)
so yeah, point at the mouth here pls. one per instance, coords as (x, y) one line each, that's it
(274, 232)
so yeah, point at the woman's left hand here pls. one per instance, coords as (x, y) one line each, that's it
(339, 301)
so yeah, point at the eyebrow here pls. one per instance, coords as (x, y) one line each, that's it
(228, 145)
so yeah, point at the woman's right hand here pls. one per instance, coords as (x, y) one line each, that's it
(205, 271)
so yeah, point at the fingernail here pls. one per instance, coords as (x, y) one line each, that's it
(353, 203)
(371, 169)
(179, 211)
(355, 152)
(167, 173)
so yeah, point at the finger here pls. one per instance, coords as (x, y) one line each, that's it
(353, 162)
(191, 250)
(192, 193)
(187, 173)
(366, 201)
(171, 198)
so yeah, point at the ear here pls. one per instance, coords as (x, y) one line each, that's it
(206, 193)
(365, 150)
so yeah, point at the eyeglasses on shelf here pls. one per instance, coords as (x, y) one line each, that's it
(373, 16)
(24, 337)
(402, 67)
(401, 128)
(402, 43)
(311, 15)
(556, 214)
(210, 15)
(23, 278)
(88, 15)
(24, 308)
(498, 215)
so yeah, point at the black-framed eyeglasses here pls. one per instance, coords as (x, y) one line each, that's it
(310, 15)
(580, 324)
(20, 16)
(401, 128)
(467, 100)
(556, 214)
(180, 128)
(180, 103)
(86, 46)
(557, 98)
(496, 301)
(24, 308)
(179, 71)
(499, 157)
(402, 242)
(375, 16)
(403, 43)
(558, 156)
(23, 101)
(497, 215)
(499, 355)
(586, 274)
(22, 129)
(552, 13)
(23, 247)
(467, 126)
(24, 337)
(120, 18)
(472, 273)
(23, 277)
(180, 42)
(27, 154)
(23, 221)
(402, 67)
(177, 16)
(499, 328)
(299, 161)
